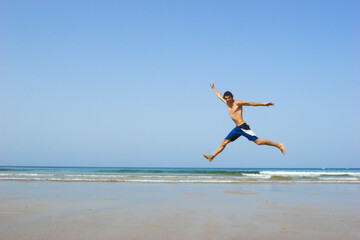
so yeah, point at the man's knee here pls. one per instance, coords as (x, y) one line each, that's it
(258, 141)
(225, 142)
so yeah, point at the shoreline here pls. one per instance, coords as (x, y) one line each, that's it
(181, 182)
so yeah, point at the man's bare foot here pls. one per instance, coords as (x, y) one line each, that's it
(282, 148)
(208, 157)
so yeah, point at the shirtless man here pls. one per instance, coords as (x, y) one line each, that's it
(242, 129)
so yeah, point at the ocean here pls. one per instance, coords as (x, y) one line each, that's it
(181, 175)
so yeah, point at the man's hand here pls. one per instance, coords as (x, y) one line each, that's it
(212, 85)
(269, 104)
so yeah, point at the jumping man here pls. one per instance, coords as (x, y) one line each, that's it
(235, 108)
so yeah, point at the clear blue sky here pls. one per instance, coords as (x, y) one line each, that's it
(126, 83)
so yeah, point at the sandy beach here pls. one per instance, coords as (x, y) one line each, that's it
(87, 210)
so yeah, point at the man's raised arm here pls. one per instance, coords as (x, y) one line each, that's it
(244, 103)
(217, 92)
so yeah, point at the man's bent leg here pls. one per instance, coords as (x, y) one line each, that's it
(217, 151)
(270, 143)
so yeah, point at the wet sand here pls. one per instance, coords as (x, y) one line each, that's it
(59, 210)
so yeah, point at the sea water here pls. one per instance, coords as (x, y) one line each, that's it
(181, 175)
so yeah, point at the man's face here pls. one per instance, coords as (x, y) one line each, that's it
(228, 99)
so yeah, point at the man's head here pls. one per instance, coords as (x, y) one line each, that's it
(228, 96)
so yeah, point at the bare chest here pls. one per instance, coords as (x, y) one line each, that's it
(235, 110)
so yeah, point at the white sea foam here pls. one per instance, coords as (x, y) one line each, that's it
(303, 173)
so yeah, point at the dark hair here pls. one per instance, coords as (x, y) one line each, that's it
(227, 93)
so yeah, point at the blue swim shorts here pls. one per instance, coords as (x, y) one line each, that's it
(242, 130)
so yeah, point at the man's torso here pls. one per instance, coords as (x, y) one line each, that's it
(235, 112)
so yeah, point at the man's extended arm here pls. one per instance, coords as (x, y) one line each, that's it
(244, 103)
(217, 92)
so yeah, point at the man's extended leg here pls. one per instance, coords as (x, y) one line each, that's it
(217, 151)
(270, 143)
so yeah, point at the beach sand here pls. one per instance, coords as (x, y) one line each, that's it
(95, 210)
